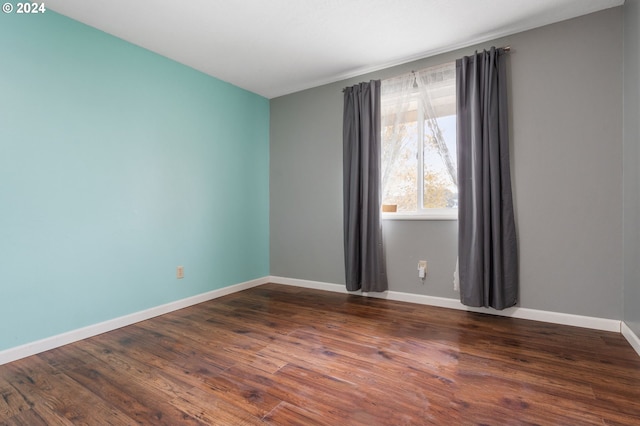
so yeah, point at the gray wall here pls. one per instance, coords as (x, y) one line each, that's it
(566, 126)
(631, 161)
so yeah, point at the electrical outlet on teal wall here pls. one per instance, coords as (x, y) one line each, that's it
(116, 165)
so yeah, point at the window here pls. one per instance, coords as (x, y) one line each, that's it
(419, 170)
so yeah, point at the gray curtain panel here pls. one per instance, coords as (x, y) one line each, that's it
(487, 245)
(365, 265)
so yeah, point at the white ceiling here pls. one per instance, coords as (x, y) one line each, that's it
(276, 47)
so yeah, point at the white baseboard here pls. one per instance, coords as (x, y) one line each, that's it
(23, 351)
(443, 302)
(631, 337)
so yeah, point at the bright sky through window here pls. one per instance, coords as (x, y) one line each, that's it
(419, 170)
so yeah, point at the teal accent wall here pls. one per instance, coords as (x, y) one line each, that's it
(116, 166)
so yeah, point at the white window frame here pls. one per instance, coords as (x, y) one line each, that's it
(422, 213)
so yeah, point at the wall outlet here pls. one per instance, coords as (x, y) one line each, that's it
(422, 269)
(180, 272)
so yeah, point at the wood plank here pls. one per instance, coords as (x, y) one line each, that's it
(176, 384)
(12, 402)
(291, 415)
(53, 392)
(142, 405)
(25, 418)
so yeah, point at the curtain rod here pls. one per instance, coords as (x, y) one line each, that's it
(505, 49)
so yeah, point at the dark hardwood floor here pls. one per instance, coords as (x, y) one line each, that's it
(289, 356)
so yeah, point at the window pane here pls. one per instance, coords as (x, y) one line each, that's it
(400, 166)
(440, 163)
(419, 170)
